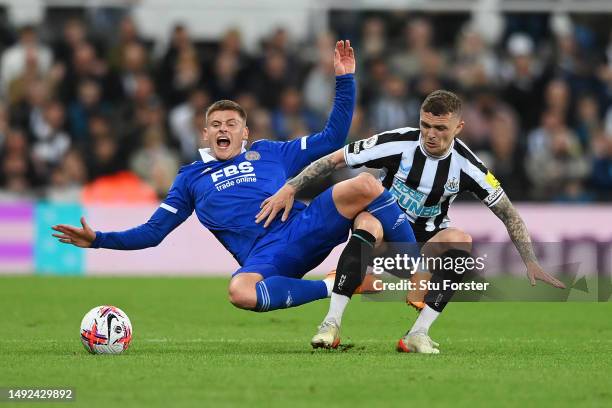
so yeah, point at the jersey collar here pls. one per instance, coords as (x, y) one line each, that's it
(207, 157)
(429, 156)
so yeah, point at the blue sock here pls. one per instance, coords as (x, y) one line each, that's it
(394, 221)
(280, 292)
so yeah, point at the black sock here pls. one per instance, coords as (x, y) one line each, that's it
(353, 262)
(437, 299)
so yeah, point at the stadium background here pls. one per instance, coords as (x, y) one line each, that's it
(99, 111)
(103, 101)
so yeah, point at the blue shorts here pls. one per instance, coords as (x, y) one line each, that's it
(301, 243)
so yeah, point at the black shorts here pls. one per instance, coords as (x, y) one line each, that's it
(420, 234)
(423, 236)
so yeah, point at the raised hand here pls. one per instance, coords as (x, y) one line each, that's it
(344, 58)
(81, 237)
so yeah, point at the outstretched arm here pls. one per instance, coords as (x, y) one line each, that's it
(517, 230)
(81, 237)
(283, 198)
(147, 235)
(175, 209)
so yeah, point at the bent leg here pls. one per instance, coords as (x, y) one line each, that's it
(280, 292)
(242, 290)
(352, 196)
(447, 239)
(353, 263)
(367, 222)
(454, 247)
(365, 192)
(450, 244)
(356, 256)
(451, 239)
(254, 291)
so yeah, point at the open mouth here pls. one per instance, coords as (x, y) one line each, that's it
(223, 142)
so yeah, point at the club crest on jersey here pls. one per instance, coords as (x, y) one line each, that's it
(252, 155)
(452, 185)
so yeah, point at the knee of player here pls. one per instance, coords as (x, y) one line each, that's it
(366, 221)
(367, 186)
(242, 298)
(467, 238)
(463, 242)
(457, 239)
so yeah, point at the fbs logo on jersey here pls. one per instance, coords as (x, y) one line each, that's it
(232, 170)
(233, 175)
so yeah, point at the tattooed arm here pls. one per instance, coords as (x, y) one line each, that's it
(283, 198)
(519, 235)
(517, 230)
(318, 169)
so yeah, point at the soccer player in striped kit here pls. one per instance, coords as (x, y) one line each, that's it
(424, 169)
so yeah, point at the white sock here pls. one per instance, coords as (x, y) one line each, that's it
(337, 305)
(425, 320)
(329, 282)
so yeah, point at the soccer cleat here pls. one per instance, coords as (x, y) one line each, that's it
(328, 335)
(417, 343)
(367, 285)
(418, 306)
(416, 298)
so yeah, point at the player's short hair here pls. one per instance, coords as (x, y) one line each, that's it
(442, 102)
(226, 104)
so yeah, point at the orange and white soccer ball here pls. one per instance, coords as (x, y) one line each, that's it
(106, 330)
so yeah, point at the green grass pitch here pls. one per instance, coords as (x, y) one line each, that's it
(192, 348)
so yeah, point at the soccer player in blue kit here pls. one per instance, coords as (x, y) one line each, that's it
(227, 187)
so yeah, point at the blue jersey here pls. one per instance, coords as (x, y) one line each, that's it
(226, 195)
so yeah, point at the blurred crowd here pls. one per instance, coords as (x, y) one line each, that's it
(79, 108)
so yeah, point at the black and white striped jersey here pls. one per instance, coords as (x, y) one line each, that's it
(424, 185)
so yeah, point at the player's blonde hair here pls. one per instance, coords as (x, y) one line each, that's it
(226, 104)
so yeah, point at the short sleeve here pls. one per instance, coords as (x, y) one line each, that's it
(374, 151)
